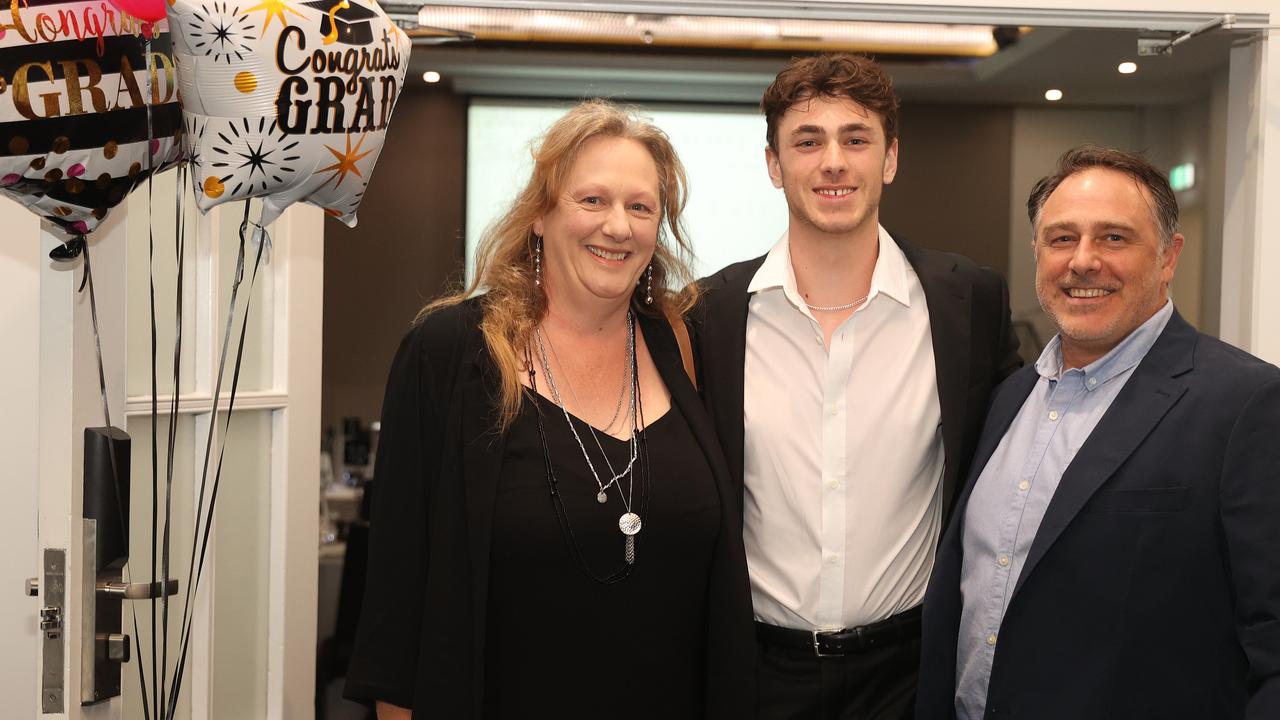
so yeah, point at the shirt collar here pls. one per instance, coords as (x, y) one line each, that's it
(1120, 358)
(889, 277)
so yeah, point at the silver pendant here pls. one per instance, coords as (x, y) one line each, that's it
(629, 524)
(629, 550)
(602, 497)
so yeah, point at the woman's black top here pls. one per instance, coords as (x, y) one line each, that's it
(438, 529)
(562, 642)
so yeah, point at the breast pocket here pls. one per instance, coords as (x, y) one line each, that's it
(1139, 500)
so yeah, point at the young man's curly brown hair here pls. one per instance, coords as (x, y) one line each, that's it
(856, 77)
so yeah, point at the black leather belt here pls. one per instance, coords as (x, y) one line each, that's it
(835, 643)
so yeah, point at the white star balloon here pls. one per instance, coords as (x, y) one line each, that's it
(286, 101)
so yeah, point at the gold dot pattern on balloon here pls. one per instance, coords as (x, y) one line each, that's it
(99, 213)
(134, 169)
(61, 144)
(75, 186)
(110, 149)
(18, 145)
(246, 82)
(213, 187)
(53, 175)
(37, 164)
(104, 181)
(62, 211)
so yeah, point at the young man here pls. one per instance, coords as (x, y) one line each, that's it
(1117, 554)
(847, 373)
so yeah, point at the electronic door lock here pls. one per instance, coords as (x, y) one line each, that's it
(33, 587)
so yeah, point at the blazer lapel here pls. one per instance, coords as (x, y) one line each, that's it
(1134, 414)
(948, 298)
(724, 353)
(1005, 404)
(666, 357)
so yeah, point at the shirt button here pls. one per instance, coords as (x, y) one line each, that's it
(1053, 415)
(835, 413)
(1003, 560)
(1093, 381)
(1024, 485)
(991, 639)
(833, 558)
(833, 485)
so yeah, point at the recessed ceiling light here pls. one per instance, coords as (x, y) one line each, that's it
(1127, 68)
(431, 76)
(1053, 94)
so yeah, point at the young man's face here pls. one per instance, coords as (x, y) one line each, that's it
(832, 162)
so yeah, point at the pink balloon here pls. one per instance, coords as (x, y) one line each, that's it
(148, 10)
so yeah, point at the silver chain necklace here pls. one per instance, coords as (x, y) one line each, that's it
(629, 523)
(628, 355)
(838, 308)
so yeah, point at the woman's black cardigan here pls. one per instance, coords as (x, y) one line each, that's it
(421, 636)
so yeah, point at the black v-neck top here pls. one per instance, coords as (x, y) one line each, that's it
(560, 642)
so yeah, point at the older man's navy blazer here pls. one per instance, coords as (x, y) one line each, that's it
(1152, 589)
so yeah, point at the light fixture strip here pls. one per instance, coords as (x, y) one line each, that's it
(883, 12)
(686, 30)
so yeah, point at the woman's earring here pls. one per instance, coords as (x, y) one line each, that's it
(648, 285)
(537, 261)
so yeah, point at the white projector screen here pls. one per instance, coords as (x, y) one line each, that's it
(734, 212)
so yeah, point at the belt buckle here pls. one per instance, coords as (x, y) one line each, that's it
(817, 646)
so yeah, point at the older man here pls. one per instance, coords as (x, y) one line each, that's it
(1117, 552)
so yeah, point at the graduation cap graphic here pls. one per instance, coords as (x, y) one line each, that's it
(352, 21)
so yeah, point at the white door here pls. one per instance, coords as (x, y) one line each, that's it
(248, 657)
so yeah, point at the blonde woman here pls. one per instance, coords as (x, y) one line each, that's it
(553, 530)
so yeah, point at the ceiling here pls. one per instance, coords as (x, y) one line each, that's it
(1080, 61)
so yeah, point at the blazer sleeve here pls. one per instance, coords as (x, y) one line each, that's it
(385, 655)
(1250, 506)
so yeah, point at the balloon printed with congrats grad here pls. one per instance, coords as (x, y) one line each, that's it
(286, 100)
(73, 108)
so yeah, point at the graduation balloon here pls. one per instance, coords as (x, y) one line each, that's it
(74, 134)
(286, 100)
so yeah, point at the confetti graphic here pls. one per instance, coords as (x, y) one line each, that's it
(221, 33)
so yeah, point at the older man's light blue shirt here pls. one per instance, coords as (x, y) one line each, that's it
(1015, 488)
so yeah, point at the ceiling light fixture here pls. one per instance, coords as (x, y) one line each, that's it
(517, 25)
(1053, 94)
(1127, 67)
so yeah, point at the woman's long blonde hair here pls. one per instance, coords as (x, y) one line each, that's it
(512, 305)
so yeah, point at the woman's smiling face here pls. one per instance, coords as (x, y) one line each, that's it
(603, 229)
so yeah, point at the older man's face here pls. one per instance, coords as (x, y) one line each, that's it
(1100, 271)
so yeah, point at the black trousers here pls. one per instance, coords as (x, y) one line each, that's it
(879, 684)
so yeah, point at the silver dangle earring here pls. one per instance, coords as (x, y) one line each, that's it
(648, 285)
(537, 261)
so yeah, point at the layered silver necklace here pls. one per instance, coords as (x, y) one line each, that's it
(629, 522)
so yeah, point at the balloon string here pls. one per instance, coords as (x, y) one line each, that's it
(180, 256)
(157, 684)
(205, 513)
(111, 446)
